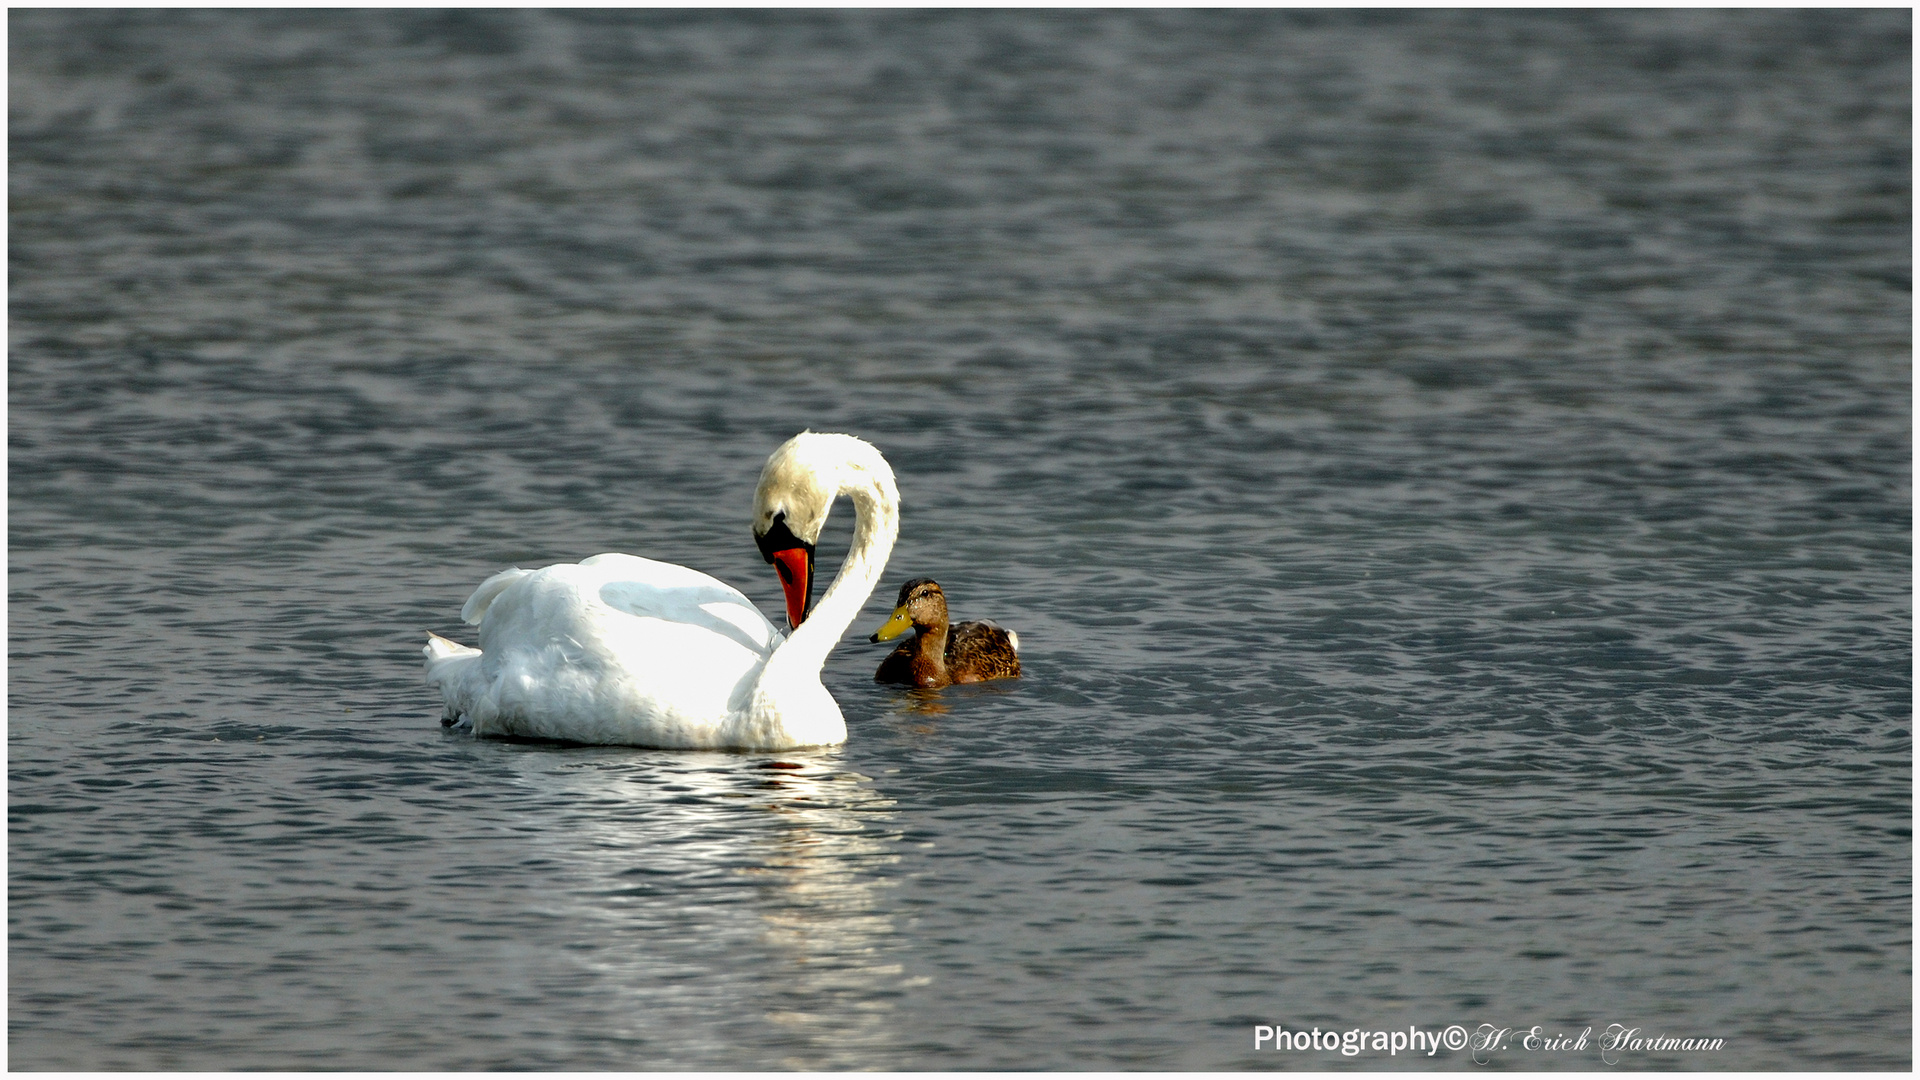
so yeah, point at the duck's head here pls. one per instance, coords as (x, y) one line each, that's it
(922, 606)
(797, 487)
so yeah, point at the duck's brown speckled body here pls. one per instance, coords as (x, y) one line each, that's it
(939, 654)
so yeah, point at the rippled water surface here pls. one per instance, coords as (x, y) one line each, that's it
(1450, 474)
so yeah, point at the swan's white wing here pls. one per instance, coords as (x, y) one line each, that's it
(647, 589)
(616, 649)
(482, 598)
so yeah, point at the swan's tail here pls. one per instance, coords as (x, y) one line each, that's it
(439, 649)
(454, 668)
(447, 661)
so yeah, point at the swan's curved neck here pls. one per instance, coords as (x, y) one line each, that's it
(876, 524)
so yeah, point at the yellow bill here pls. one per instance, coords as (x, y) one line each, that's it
(898, 623)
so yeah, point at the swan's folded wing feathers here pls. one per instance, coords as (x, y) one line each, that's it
(712, 607)
(483, 597)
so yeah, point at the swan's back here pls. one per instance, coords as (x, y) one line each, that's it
(614, 649)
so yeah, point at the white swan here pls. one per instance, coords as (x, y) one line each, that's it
(617, 649)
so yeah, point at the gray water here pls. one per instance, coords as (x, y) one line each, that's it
(1450, 474)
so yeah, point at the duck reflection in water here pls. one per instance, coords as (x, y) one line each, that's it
(939, 654)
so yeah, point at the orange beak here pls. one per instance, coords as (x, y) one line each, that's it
(795, 567)
(792, 557)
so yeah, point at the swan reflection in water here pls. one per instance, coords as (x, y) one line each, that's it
(734, 902)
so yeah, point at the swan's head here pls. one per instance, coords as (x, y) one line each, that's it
(797, 487)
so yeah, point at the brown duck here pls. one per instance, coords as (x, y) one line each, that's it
(939, 655)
